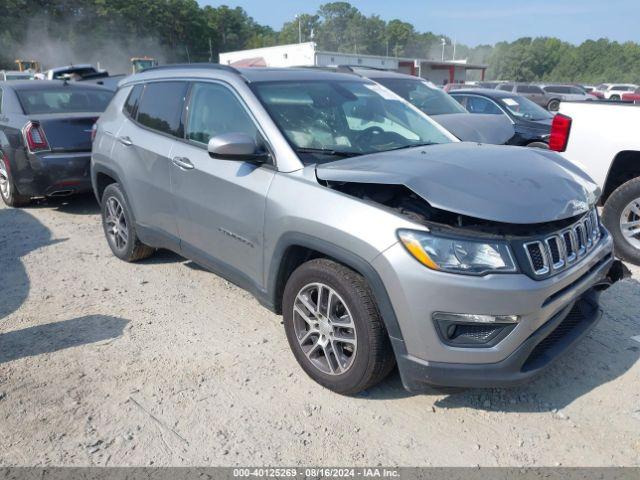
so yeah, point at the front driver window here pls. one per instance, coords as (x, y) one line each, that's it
(214, 110)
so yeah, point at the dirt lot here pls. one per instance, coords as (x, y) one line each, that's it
(105, 363)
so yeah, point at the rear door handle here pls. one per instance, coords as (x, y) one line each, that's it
(183, 163)
(126, 141)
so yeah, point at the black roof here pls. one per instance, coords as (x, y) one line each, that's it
(34, 85)
(487, 92)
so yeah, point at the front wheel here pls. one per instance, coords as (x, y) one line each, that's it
(334, 328)
(621, 216)
(8, 192)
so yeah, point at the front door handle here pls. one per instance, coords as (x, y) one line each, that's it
(183, 163)
(126, 141)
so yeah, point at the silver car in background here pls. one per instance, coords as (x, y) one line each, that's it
(378, 236)
(535, 93)
(567, 93)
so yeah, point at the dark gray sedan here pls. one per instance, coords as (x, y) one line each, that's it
(45, 138)
(442, 108)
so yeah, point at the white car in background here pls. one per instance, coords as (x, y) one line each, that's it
(613, 91)
(79, 70)
(603, 139)
(11, 75)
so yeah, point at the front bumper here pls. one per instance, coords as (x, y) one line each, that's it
(536, 353)
(55, 174)
(417, 292)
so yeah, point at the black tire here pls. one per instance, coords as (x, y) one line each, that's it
(553, 105)
(615, 98)
(542, 145)
(374, 358)
(11, 197)
(613, 209)
(132, 249)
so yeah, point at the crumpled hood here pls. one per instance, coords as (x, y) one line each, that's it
(498, 183)
(480, 127)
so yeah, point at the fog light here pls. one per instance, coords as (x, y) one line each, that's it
(473, 330)
(474, 318)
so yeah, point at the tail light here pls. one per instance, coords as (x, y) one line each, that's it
(94, 131)
(35, 138)
(560, 129)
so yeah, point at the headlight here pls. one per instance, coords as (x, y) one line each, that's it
(454, 255)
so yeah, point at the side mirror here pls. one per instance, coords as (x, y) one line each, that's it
(236, 146)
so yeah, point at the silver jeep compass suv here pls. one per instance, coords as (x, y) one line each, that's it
(380, 238)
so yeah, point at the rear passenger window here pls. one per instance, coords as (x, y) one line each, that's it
(214, 110)
(529, 89)
(482, 105)
(160, 107)
(131, 105)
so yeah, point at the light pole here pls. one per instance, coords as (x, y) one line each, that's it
(444, 42)
(299, 29)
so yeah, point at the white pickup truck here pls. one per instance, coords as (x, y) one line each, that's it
(605, 139)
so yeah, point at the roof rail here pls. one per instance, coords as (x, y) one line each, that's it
(212, 66)
(363, 67)
(329, 68)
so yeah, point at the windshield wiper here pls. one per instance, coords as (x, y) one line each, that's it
(327, 151)
(412, 145)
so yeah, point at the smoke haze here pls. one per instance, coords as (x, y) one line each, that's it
(112, 54)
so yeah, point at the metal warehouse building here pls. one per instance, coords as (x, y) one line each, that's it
(307, 54)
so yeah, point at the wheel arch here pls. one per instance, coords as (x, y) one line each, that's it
(101, 177)
(553, 99)
(294, 249)
(625, 166)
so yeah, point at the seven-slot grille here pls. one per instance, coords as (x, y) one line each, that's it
(565, 247)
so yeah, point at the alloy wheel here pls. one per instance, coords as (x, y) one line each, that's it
(325, 328)
(116, 222)
(630, 223)
(5, 185)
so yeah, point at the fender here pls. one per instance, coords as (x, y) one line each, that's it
(100, 168)
(349, 259)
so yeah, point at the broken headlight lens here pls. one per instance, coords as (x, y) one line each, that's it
(454, 255)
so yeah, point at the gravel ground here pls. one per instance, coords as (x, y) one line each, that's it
(163, 363)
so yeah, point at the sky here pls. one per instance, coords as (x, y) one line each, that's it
(474, 22)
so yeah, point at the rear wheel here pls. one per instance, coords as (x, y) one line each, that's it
(8, 191)
(553, 105)
(334, 328)
(621, 216)
(614, 97)
(119, 228)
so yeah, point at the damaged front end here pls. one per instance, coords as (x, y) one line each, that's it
(541, 250)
